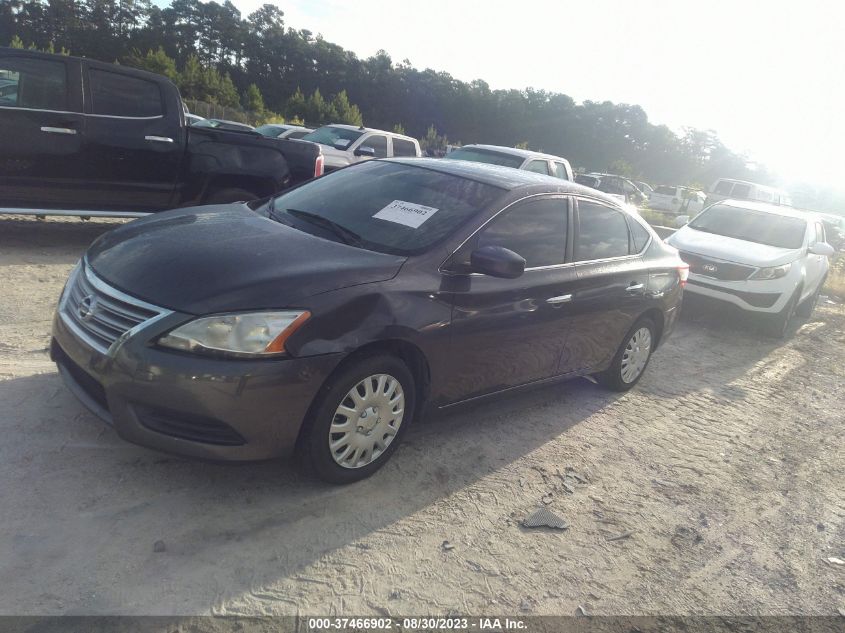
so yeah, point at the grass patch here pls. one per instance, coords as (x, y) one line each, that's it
(835, 284)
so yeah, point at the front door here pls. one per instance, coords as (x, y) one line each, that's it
(508, 332)
(41, 131)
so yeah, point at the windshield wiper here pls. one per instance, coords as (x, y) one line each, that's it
(347, 236)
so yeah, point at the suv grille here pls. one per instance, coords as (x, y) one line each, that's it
(99, 313)
(716, 268)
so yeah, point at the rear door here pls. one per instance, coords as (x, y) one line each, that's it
(610, 288)
(41, 130)
(509, 332)
(134, 141)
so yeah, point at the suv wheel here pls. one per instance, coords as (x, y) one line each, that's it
(777, 325)
(632, 358)
(359, 419)
(805, 310)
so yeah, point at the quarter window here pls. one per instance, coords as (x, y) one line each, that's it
(378, 143)
(538, 166)
(602, 232)
(39, 84)
(116, 94)
(536, 230)
(639, 235)
(401, 147)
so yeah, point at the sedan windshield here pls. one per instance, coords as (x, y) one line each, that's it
(388, 207)
(332, 136)
(752, 226)
(486, 156)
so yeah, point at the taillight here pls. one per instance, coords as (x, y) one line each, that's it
(683, 273)
(318, 166)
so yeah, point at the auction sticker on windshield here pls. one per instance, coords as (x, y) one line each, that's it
(406, 213)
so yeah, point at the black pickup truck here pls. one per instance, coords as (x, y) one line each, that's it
(81, 137)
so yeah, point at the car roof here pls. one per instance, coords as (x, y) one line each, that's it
(361, 128)
(513, 151)
(502, 177)
(767, 207)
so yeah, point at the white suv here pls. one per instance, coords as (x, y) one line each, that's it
(347, 144)
(763, 258)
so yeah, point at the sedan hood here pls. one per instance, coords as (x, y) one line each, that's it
(228, 258)
(730, 249)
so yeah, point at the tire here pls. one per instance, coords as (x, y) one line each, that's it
(777, 325)
(225, 196)
(619, 376)
(805, 310)
(338, 465)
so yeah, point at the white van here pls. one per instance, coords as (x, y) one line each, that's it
(727, 188)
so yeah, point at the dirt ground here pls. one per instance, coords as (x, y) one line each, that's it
(716, 487)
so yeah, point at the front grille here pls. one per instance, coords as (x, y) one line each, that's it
(187, 426)
(102, 314)
(716, 268)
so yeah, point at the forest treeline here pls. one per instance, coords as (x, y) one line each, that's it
(259, 63)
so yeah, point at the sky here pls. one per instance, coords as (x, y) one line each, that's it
(768, 76)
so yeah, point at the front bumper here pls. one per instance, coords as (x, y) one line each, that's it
(188, 404)
(766, 297)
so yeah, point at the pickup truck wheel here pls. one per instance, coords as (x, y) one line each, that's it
(359, 418)
(225, 196)
(631, 359)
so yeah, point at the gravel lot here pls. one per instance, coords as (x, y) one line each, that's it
(723, 474)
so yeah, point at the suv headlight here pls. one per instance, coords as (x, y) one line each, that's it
(253, 334)
(772, 272)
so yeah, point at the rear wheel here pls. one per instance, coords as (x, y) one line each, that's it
(225, 196)
(359, 419)
(632, 358)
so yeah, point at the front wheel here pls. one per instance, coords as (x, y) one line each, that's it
(359, 419)
(777, 325)
(805, 310)
(632, 358)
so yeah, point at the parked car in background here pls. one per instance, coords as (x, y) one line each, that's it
(727, 188)
(677, 200)
(87, 138)
(345, 145)
(516, 158)
(331, 316)
(646, 188)
(619, 187)
(281, 130)
(834, 226)
(763, 258)
(222, 124)
(192, 119)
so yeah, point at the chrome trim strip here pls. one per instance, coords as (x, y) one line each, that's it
(74, 212)
(101, 116)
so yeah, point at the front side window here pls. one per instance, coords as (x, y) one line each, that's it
(751, 226)
(116, 94)
(401, 147)
(560, 171)
(390, 207)
(723, 187)
(820, 234)
(602, 232)
(538, 167)
(378, 143)
(741, 190)
(535, 230)
(666, 191)
(39, 84)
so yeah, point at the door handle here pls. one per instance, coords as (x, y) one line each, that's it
(58, 130)
(634, 288)
(556, 301)
(159, 139)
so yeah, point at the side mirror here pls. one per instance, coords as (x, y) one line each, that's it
(365, 151)
(497, 261)
(822, 248)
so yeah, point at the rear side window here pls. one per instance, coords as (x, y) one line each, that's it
(602, 232)
(560, 171)
(484, 156)
(741, 190)
(536, 230)
(39, 84)
(297, 134)
(538, 167)
(666, 191)
(723, 187)
(401, 147)
(378, 143)
(121, 95)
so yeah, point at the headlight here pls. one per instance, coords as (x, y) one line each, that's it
(245, 334)
(773, 272)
